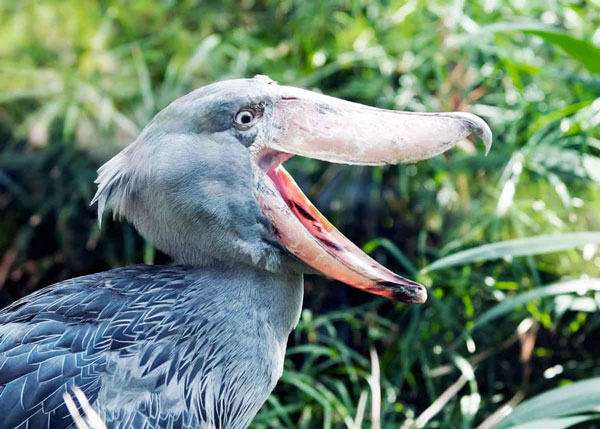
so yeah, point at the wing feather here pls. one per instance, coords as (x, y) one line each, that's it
(60, 337)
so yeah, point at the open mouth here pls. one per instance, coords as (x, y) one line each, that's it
(308, 235)
(326, 128)
(337, 254)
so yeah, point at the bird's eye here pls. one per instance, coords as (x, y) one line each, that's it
(244, 117)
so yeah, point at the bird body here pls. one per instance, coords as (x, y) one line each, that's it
(150, 346)
(202, 344)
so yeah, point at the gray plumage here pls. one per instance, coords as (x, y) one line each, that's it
(151, 347)
(194, 346)
(186, 183)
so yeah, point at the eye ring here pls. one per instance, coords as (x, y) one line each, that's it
(244, 118)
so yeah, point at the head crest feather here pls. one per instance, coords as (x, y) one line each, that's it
(114, 186)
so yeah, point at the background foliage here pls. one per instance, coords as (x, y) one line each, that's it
(79, 78)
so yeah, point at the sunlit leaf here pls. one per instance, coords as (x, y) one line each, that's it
(561, 423)
(581, 50)
(557, 115)
(575, 398)
(580, 286)
(592, 167)
(538, 245)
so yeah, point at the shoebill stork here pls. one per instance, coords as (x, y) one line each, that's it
(201, 344)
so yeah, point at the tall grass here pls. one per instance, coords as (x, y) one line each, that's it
(506, 243)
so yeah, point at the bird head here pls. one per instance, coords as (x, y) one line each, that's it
(204, 181)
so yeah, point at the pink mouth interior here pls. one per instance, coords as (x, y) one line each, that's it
(307, 214)
(360, 270)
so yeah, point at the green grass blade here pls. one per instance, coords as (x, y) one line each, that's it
(557, 115)
(582, 51)
(312, 392)
(579, 397)
(393, 250)
(562, 423)
(537, 245)
(580, 286)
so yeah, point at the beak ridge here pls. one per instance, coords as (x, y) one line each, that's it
(334, 130)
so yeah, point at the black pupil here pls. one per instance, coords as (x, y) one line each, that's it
(246, 118)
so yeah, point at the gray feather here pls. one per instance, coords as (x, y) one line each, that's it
(166, 347)
(160, 346)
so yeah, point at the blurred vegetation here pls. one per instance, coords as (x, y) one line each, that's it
(505, 322)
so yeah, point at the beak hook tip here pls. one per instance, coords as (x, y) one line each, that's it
(486, 136)
(481, 129)
(475, 125)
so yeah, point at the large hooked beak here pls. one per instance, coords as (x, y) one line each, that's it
(326, 128)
